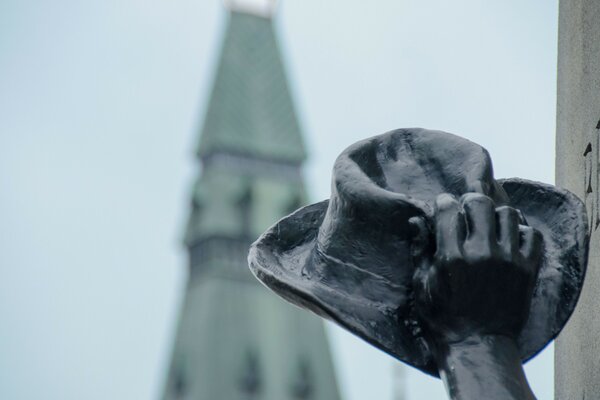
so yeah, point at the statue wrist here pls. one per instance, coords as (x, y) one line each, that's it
(481, 366)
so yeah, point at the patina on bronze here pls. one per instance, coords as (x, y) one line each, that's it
(422, 253)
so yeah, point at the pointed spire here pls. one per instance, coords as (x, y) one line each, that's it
(266, 8)
(251, 112)
(236, 337)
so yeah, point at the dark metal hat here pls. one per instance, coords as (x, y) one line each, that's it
(348, 259)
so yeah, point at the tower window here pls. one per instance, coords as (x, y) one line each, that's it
(245, 206)
(302, 387)
(179, 385)
(250, 381)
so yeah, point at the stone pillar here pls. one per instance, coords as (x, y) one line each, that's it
(577, 357)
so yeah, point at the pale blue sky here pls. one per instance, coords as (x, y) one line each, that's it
(100, 102)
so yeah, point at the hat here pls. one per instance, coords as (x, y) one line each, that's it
(348, 258)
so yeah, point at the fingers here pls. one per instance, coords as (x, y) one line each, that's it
(481, 220)
(531, 245)
(508, 229)
(450, 228)
(475, 229)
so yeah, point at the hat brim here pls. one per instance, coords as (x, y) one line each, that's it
(284, 256)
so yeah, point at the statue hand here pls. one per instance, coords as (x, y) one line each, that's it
(479, 280)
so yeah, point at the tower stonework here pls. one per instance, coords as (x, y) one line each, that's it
(236, 339)
(577, 357)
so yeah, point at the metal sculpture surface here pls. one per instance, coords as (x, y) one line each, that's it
(423, 254)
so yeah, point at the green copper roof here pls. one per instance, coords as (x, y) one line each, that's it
(236, 340)
(251, 110)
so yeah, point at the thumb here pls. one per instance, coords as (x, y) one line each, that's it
(420, 242)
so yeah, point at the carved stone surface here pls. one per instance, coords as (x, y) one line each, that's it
(577, 350)
(420, 252)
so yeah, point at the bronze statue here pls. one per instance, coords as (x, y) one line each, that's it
(423, 254)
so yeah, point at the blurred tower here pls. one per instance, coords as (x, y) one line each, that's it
(398, 381)
(237, 340)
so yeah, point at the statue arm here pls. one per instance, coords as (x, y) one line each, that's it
(484, 367)
(474, 282)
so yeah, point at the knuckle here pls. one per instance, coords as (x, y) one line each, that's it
(445, 201)
(417, 226)
(508, 211)
(447, 258)
(479, 251)
(537, 236)
(526, 228)
(508, 253)
(475, 198)
(522, 219)
(526, 231)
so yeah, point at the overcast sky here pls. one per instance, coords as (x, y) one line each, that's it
(100, 104)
